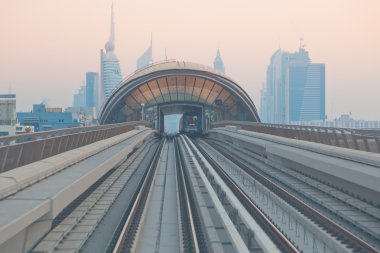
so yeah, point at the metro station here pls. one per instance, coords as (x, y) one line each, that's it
(202, 94)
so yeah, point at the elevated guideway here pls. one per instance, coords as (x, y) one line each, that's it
(352, 171)
(358, 139)
(232, 191)
(33, 195)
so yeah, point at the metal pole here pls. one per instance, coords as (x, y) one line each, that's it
(142, 111)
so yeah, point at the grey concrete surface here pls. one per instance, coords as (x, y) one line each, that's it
(46, 198)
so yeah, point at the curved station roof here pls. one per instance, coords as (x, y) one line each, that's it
(174, 82)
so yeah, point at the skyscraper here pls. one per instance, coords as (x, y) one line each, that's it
(218, 62)
(295, 89)
(274, 92)
(306, 92)
(109, 65)
(80, 97)
(146, 58)
(92, 93)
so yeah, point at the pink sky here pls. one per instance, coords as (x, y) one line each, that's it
(47, 46)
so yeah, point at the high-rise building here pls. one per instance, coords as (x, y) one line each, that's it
(80, 97)
(146, 58)
(92, 93)
(218, 62)
(294, 90)
(7, 114)
(109, 65)
(272, 107)
(264, 104)
(306, 92)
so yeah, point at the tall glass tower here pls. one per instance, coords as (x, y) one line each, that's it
(92, 83)
(306, 92)
(109, 65)
(146, 58)
(295, 89)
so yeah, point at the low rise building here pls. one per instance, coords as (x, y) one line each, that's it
(44, 119)
(84, 115)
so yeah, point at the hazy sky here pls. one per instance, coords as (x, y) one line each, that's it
(46, 46)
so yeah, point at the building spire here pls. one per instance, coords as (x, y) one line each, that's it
(302, 45)
(218, 62)
(112, 35)
(110, 45)
(151, 39)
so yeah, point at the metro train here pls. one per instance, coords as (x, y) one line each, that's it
(191, 124)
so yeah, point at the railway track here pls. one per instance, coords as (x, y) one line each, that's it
(182, 195)
(77, 223)
(358, 216)
(214, 213)
(173, 211)
(189, 233)
(285, 183)
(125, 235)
(283, 243)
(161, 220)
(155, 201)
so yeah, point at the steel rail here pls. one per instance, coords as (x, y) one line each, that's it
(277, 173)
(280, 239)
(107, 182)
(186, 200)
(299, 204)
(128, 231)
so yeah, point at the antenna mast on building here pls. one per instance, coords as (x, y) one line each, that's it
(302, 45)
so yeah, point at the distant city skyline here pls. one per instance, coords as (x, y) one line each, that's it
(40, 39)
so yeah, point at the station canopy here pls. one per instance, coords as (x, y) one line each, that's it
(181, 83)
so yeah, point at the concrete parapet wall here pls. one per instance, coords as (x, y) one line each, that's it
(358, 139)
(355, 172)
(27, 214)
(20, 150)
(21, 177)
